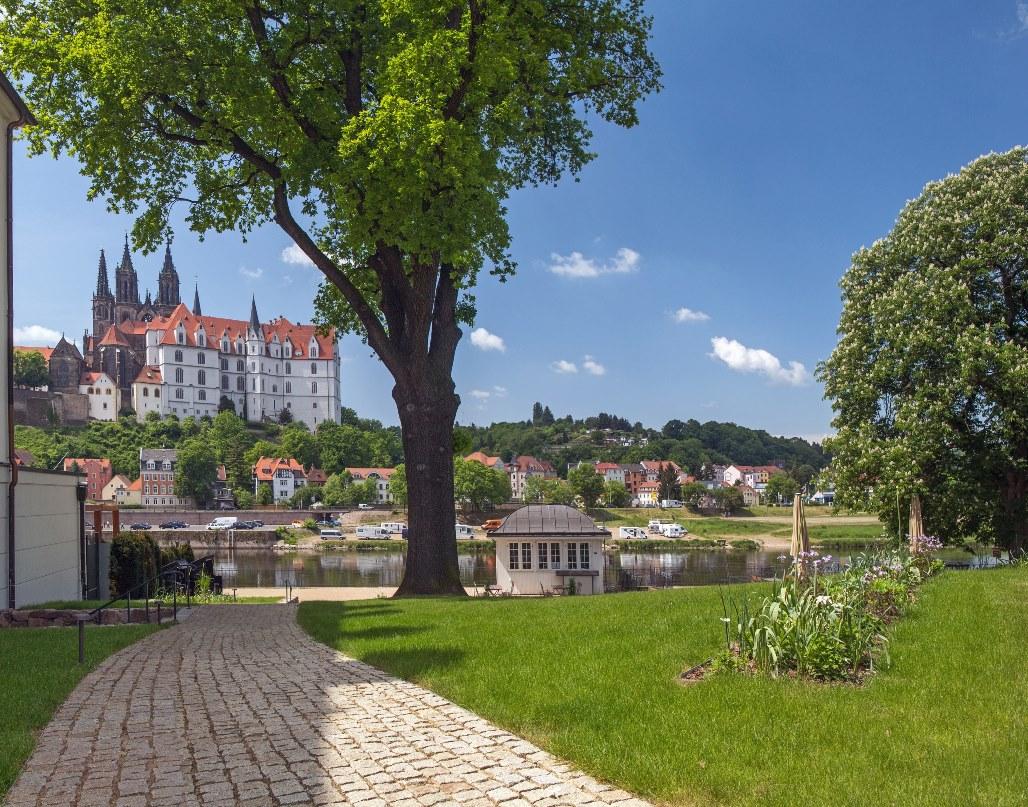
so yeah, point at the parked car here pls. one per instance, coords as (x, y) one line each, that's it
(244, 525)
(331, 534)
(256, 522)
(492, 524)
(140, 525)
(364, 506)
(173, 525)
(223, 523)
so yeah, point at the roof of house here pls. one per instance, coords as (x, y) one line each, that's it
(90, 377)
(655, 465)
(526, 463)
(44, 351)
(549, 519)
(649, 485)
(364, 473)
(485, 459)
(158, 454)
(25, 117)
(136, 484)
(82, 462)
(119, 479)
(267, 467)
(316, 475)
(280, 330)
(603, 467)
(149, 375)
(114, 336)
(23, 457)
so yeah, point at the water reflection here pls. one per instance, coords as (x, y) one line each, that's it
(265, 568)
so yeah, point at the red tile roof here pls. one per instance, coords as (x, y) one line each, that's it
(45, 351)
(484, 459)
(364, 473)
(114, 337)
(149, 375)
(267, 467)
(526, 463)
(654, 465)
(137, 484)
(215, 328)
(91, 377)
(88, 464)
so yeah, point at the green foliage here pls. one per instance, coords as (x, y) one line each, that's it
(398, 485)
(196, 471)
(297, 442)
(927, 381)
(176, 551)
(304, 496)
(30, 369)
(667, 481)
(615, 494)
(728, 500)
(586, 483)
(476, 485)
(135, 557)
(245, 499)
(265, 495)
(780, 488)
(556, 491)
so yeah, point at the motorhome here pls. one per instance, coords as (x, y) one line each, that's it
(671, 530)
(393, 526)
(372, 532)
(634, 533)
(668, 504)
(465, 531)
(655, 525)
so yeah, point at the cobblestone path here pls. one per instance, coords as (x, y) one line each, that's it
(238, 706)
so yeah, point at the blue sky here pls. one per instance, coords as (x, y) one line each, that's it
(693, 271)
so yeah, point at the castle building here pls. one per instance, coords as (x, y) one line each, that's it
(169, 359)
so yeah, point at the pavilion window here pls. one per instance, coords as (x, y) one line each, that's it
(572, 555)
(515, 557)
(554, 555)
(583, 555)
(544, 556)
(526, 555)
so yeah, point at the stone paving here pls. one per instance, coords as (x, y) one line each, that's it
(239, 706)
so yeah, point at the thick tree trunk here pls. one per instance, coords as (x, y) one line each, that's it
(1014, 532)
(426, 421)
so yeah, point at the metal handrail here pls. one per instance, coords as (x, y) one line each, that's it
(178, 567)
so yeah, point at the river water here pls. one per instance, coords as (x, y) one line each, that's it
(265, 568)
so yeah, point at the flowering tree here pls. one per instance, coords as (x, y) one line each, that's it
(929, 381)
(382, 136)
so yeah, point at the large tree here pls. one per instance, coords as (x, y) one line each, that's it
(929, 381)
(382, 137)
(586, 483)
(30, 369)
(196, 470)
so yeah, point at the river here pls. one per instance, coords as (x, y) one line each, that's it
(266, 568)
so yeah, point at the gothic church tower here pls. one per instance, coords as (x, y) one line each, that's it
(167, 284)
(103, 300)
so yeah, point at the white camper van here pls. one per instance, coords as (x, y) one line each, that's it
(393, 526)
(671, 530)
(667, 504)
(223, 523)
(634, 533)
(372, 532)
(465, 531)
(655, 525)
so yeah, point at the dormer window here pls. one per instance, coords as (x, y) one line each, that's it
(201, 338)
(180, 335)
(224, 345)
(313, 350)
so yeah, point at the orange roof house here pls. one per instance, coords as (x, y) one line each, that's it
(484, 459)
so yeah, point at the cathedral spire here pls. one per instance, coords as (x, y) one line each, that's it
(169, 264)
(149, 300)
(103, 286)
(126, 281)
(196, 300)
(167, 282)
(255, 322)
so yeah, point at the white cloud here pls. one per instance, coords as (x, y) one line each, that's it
(36, 335)
(590, 365)
(481, 394)
(293, 254)
(577, 265)
(688, 315)
(483, 340)
(500, 392)
(253, 274)
(754, 360)
(562, 366)
(1022, 15)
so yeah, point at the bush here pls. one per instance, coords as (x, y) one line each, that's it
(135, 557)
(176, 551)
(311, 524)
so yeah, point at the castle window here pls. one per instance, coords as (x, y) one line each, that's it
(289, 368)
(239, 365)
(201, 376)
(179, 394)
(314, 387)
(253, 384)
(239, 383)
(178, 356)
(146, 392)
(224, 382)
(179, 375)
(201, 339)
(156, 393)
(107, 391)
(314, 405)
(289, 387)
(274, 387)
(224, 345)
(201, 358)
(180, 336)
(201, 395)
(313, 349)
(224, 364)
(314, 369)
(89, 390)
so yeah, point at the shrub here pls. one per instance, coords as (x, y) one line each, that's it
(311, 524)
(176, 551)
(135, 557)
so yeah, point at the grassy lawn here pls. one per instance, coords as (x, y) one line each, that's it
(38, 669)
(593, 680)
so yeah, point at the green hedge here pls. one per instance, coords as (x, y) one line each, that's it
(135, 557)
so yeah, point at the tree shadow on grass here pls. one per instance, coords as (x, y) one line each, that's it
(378, 631)
(414, 663)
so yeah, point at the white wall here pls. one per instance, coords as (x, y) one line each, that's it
(522, 581)
(47, 538)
